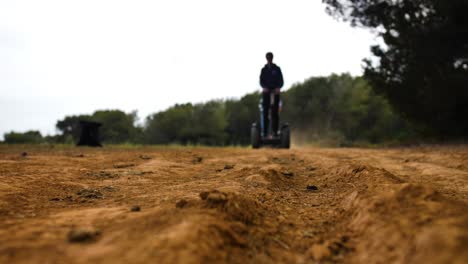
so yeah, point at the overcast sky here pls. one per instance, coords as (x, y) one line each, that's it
(64, 57)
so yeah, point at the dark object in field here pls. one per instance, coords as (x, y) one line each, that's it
(288, 173)
(24, 154)
(89, 135)
(82, 235)
(312, 188)
(90, 194)
(124, 165)
(197, 159)
(181, 203)
(144, 157)
(228, 167)
(135, 208)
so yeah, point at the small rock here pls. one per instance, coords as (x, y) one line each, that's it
(144, 157)
(197, 160)
(181, 203)
(102, 174)
(108, 188)
(204, 195)
(135, 208)
(312, 188)
(320, 252)
(82, 235)
(228, 167)
(123, 165)
(217, 197)
(288, 173)
(214, 196)
(90, 194)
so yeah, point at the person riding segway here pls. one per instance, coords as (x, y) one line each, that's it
(271, 81)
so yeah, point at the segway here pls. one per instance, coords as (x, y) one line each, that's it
(258, 139)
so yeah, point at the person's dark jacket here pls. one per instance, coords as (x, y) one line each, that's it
(271, 77)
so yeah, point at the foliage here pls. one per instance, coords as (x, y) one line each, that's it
(188, 124)
(423, 68)
(117, 127)
(239, 116)
(29, 137)
(338, 108)
(69, 128)
(344, 107)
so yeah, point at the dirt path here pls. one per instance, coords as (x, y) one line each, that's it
(233, 205)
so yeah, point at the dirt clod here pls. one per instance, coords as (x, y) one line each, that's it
(109, 188)
(135, 208)
(197, 160)
(204, 195)
(102, 174)
(288, 173)
(228, 167)
(90, 194)
(312, 188)
(320, 251)
(123, 165)
(83, 235)
(216, 197)
(181, 203)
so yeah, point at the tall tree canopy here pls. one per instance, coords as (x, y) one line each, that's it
(118, 126)
(423, 67)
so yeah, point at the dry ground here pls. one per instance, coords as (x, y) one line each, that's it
(233, 205)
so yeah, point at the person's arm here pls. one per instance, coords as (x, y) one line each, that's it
(262, 78)
(280, 79)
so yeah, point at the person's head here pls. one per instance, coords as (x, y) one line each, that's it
(269, 57)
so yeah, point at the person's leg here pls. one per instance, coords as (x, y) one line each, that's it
(266, 108)
(275, 114)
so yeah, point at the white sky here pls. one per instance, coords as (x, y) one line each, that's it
(63, 57)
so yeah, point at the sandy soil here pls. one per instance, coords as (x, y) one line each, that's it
(233, 205)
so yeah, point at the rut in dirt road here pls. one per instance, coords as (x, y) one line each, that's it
(229, 206)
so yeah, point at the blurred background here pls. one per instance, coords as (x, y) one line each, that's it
(186, 72)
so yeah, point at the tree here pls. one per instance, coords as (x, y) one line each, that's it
(170, 126)
(240, 114)
(69, 128)
(423, 68)
(29, 137)
(208, 123)
(117, 127)
(188, 124)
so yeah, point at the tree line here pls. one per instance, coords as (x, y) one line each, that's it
(414, 86)
(423, 67)
(338, 108)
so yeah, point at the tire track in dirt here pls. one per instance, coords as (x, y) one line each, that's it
(221, 205)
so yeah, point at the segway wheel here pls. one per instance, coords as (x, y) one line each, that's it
(255, 136)
(285, 137)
